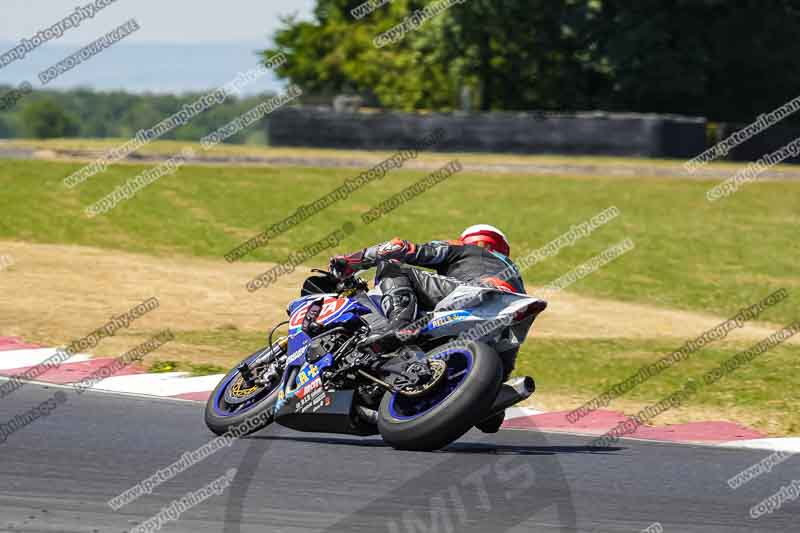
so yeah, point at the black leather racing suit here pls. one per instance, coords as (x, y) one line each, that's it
(406, 289)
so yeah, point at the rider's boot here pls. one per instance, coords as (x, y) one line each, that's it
(399, 303)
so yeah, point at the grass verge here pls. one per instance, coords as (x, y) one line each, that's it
(689, 254)
(762, 393)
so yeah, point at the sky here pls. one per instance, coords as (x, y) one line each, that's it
(182, 45)
(162, 21)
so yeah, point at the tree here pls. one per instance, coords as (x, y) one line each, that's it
(728, 61)
(5, 129)
(518, 54)
(515, 54)
(334, 54)
(45, 119)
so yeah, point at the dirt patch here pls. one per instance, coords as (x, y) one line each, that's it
(53, 294)
(572, 316)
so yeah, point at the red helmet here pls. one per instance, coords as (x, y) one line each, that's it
(488, 237)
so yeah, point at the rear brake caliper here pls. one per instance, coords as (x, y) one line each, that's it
(427, 375)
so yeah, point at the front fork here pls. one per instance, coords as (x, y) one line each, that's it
(277, 352)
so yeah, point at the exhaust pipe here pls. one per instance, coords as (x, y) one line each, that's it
(512, 392)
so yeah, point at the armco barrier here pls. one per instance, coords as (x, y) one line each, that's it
(766, 142)
(591, 133)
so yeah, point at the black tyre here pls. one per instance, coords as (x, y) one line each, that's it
(240, 410)
(464, 397)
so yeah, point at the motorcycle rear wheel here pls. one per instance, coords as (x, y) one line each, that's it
(431, 422)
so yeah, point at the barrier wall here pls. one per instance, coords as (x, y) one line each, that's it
(766, 142)
(591, 133)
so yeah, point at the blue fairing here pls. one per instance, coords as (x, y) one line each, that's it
(334, 311)
(294, 305)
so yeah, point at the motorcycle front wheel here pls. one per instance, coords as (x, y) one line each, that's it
(233, 406)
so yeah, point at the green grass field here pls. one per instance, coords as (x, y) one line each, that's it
(690, 254)
(763, 392)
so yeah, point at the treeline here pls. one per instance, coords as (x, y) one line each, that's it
(89, 114)
(726, 60)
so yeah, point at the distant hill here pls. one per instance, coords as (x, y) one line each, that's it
(145, 67)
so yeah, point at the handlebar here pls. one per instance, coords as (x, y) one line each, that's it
(350, 283)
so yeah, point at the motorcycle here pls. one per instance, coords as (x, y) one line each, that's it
(323, 377)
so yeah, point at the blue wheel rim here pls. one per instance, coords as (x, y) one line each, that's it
(219, 395)
(459, 365)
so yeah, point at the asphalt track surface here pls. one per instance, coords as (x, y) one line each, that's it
(57, 473)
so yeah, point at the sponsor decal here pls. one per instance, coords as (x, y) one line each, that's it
(312, 399)
(448, 319)
(307, 374)
(329, 307)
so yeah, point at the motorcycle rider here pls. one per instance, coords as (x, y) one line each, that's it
(479, 257)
